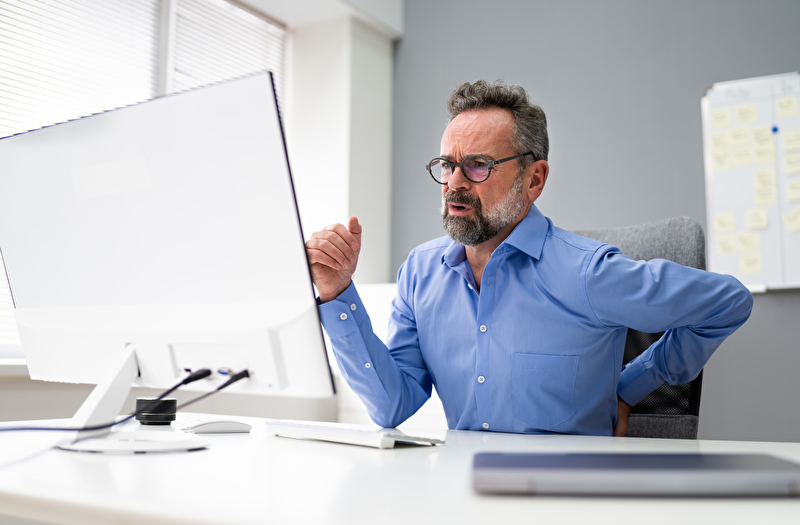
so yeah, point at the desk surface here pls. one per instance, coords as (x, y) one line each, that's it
(257, 479)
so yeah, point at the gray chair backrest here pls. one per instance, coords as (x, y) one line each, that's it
(671, 411)
(678, 239)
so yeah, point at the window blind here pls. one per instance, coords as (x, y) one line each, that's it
(215, 40)
(66, 59)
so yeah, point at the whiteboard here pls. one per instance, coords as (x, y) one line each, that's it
(751, 150)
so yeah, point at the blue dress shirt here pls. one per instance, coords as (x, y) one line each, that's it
(540, 348)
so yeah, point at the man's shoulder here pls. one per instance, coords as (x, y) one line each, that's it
(573, 241)
(432, 248)
(424, 260)
(428, 256)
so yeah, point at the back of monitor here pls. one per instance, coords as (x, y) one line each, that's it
(172, 226)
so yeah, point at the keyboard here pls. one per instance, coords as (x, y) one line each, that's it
(350, 435)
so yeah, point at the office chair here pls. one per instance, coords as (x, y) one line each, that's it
(671, 411)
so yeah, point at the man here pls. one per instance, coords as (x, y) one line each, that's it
(520, 325)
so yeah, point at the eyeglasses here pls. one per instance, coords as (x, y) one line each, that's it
(476, 168)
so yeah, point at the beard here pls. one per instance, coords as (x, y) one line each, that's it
(475, 230)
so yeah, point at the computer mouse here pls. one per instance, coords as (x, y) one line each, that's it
(215, 425)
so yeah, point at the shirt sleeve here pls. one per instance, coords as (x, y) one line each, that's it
(392, 384)
(697, 310)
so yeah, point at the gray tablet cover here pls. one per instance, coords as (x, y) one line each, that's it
(635, 474)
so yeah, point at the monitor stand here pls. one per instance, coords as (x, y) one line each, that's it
(104, 405)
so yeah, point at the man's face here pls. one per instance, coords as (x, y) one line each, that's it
(474, 213)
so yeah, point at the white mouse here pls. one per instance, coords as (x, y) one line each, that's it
(215, 425)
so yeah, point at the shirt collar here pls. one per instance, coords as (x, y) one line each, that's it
(528, 237)
(454, 255)
(530, 233)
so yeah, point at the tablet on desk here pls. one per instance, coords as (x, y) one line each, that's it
(635, 474)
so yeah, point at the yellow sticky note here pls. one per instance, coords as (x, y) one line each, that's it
(721, 117)
(756, 219)
(793, 190)
(791, 139)
(792, 220)
(720, 141)
(725, 222)
(742, 156)
(765, 154)
(726, 244)
(749, 241)
(741, 136)
(791, 163)
(746, 113)
(751, 263)
(766, 196)
(762, 135)
(765, 178)
(786, 106)
(721, 160)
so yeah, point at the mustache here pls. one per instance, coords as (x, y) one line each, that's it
(460, 197)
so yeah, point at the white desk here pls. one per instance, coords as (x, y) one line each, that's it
(255, 478)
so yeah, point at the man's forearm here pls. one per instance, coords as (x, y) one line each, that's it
(391, 391)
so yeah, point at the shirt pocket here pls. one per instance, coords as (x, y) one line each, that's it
(542, 388)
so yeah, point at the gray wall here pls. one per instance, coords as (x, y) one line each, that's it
(621, 82)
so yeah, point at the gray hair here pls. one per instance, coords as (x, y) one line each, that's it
(530, 123)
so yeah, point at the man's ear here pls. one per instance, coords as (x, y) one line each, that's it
(538, 172)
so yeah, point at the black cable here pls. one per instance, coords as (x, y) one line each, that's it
(234, 378)
(191, 378)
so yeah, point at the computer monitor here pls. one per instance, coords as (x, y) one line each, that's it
(158, 238)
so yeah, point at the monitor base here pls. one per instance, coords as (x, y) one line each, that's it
(137, 442)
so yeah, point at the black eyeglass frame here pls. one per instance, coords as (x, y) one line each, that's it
(489, 163)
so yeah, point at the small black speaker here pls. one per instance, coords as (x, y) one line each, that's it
(150, 411)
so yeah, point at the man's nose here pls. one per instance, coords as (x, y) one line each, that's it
(457, 180)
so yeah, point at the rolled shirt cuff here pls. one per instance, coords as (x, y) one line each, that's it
(635, 383)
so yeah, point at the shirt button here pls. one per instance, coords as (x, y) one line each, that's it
(483, 328)
(481, 379)
(343, 316)
(485, 425)
(353, 307)
(367, 365)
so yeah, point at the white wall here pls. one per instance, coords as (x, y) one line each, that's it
(339, 132)
(338, 110)
(318, 121)
(371, 149)
(386, 16)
